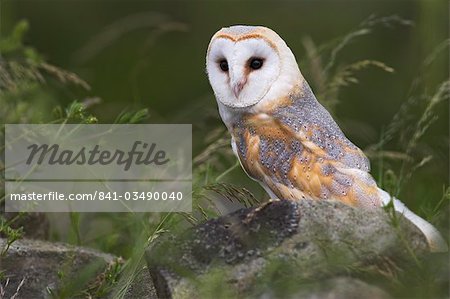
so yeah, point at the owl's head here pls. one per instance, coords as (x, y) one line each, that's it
(250, 64)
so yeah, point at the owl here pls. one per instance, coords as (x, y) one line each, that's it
(283, 137)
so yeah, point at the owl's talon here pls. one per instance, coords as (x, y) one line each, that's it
(251, 215)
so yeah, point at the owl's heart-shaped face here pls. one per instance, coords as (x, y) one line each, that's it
(241, 72)
(250, 65)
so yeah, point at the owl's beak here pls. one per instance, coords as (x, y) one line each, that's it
(237, 87)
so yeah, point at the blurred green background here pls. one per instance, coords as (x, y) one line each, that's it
(151, 54)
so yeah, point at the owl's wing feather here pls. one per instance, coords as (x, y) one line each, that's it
(298, 151)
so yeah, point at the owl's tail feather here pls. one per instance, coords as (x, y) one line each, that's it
(434, 238)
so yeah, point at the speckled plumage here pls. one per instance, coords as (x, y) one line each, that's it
(298, 151)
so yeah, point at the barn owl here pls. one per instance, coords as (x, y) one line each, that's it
(283, 137)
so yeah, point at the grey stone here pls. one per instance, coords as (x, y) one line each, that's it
(338, 288)
(35, 269)
(141, 287)
(316, 240)
(41, 265)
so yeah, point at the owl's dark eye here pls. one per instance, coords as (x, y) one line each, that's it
(223, 65)
(256, 63)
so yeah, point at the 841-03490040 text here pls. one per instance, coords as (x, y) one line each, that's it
(131, 195)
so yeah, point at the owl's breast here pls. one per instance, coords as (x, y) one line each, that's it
(267, 152)
(293, 166)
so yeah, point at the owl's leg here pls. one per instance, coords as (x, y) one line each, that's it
(269, 191)
(251, 215)
(273, 198)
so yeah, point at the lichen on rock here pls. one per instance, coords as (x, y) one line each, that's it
(254, 251)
